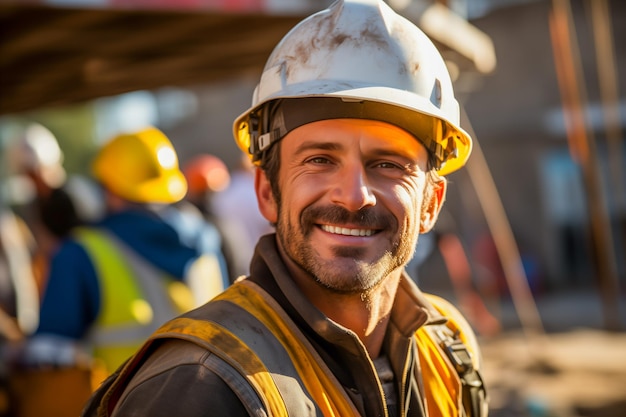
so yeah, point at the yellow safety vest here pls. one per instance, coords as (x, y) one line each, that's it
(136, 298)
(262, 354)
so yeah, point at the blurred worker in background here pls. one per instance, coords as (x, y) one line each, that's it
(19, 298)
(41, 205)
(35, 191)
(237, 205)
(353, 126)
(112, 284)
(207, 176)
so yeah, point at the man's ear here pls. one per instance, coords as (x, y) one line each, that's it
(265, 197)
(433, 203)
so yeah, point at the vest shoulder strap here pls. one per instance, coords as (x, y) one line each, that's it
(457, 342)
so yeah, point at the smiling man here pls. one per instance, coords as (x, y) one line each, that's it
(353, 127)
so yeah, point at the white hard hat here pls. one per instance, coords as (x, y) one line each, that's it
(37, 151)
(356, 59)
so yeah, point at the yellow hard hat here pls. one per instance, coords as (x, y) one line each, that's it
(141, 167)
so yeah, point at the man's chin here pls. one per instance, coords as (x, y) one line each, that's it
(346, 275)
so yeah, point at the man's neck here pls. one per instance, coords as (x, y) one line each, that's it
(367, 314)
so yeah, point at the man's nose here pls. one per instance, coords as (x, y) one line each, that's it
(352, 189)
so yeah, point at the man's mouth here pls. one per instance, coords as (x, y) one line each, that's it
(346, 231)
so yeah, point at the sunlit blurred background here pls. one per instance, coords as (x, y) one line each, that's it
(532, 240)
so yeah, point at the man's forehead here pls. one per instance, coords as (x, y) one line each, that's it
(336, 134)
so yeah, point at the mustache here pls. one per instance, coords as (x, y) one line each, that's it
(367, 217)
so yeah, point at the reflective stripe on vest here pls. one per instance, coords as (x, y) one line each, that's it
(136, 298)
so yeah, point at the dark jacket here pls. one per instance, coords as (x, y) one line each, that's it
(176, 379)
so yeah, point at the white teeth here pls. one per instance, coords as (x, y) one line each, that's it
(345, 231)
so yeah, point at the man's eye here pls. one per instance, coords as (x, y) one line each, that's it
(388, 165)
(318, 160)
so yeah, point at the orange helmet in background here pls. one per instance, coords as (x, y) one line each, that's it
(206, 173)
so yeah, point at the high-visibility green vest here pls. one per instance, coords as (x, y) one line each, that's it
(262, 355)
(135, 297)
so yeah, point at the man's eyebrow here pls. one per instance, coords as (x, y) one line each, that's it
(307, 146)
(397, 152)
(315, 145)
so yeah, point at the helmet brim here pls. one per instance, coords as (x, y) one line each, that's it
(372, 94)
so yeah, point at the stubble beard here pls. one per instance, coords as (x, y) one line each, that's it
(346, 272)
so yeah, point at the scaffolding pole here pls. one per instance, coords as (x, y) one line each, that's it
(503, 237)
(583, 150)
